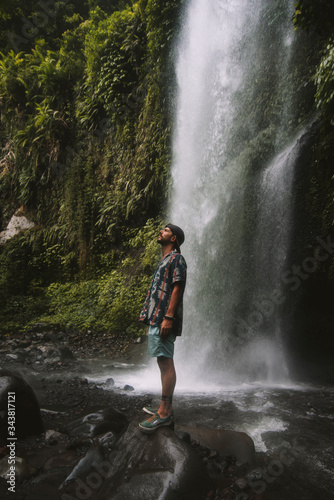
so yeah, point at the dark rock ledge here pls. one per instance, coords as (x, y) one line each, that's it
(101, 454)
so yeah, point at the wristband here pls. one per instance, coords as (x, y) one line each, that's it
(169, 317)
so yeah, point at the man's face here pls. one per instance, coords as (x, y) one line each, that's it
(166, 236)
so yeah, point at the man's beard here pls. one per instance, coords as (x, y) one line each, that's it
(162, 241)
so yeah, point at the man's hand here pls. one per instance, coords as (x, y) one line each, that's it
(176, 297)
(166, 327)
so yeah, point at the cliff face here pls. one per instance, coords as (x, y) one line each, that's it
(309, 320)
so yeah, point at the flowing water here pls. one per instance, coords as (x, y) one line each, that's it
(233, 161)
(290, 423)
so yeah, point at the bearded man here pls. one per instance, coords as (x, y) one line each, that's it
(162, 312)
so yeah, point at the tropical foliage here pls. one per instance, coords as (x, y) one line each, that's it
(85, 136)
(315, 15)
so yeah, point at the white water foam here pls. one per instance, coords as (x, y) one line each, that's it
(212, 198)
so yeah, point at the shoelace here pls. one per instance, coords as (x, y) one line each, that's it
(153, 417)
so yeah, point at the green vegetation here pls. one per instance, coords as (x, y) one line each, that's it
(319, 17)
(85, 136)
(85, 131)
(315, 15)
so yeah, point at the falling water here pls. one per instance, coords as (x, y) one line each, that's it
(233, 159)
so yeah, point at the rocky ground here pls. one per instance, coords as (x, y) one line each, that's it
(52, 355)
(63, 400)
(40, 346)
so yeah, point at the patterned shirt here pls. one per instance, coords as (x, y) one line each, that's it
(171, 269)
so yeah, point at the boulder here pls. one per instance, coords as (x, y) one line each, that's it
(93, 460)
(23, 402)
(66, 354)
(95, 424)
(128, 388)
(15, 356)
(53, 437)
(153, 466)
(110, 382)
(17, 224)
(225, 442)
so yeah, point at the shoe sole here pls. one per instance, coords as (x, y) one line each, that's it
(145, 430)
(149, 412)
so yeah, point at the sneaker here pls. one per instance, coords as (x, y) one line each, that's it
(150, 410)
(153, 411)
(154, 422)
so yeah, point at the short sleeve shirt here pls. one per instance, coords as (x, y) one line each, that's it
(171, 269)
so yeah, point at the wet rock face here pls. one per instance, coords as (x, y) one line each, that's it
(17, 395)
(225, 442)
(129, 465)
(160, 465)
(95, 424)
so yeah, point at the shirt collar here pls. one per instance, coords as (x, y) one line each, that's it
(169, 254)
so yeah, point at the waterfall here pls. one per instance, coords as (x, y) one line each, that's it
(233, 157)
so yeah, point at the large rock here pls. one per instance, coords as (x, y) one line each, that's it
(100, 422)
(153, 466)
(227, 443)
(17, 224)
(93, 460)
(23, 402)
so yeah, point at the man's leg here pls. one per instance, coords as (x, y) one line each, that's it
(168, 381)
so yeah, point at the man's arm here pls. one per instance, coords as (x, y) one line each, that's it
(176, 297)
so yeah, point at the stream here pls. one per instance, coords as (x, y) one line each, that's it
(292, 423)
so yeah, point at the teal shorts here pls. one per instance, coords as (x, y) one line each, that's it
(157, 346)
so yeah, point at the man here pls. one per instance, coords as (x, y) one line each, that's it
(162, 312)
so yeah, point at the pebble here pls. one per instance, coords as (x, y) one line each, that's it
(128, 388)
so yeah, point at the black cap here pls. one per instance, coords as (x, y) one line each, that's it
(177, 231)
